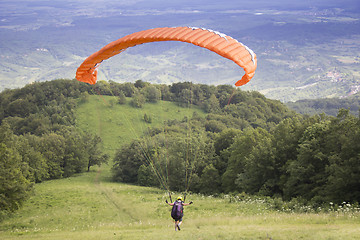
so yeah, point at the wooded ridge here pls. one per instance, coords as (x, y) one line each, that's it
(245, 143)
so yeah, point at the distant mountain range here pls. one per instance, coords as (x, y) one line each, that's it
(305, 50)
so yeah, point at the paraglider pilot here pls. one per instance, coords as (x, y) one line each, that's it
(177, 211)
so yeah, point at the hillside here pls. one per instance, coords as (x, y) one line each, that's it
(253, 145)
(40, 139)
(329, 106)
(210, 137)
(118, 124)
(44, 125)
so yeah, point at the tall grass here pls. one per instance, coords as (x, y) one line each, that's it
(88, 206)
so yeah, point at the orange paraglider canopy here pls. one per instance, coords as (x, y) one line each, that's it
(217, 42)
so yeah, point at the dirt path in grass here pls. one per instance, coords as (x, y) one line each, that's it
(114, 199)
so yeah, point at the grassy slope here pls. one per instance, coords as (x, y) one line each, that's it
(119, 124)
(89, 206)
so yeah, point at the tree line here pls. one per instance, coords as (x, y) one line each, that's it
(39, 140)
(249, 144)
(246, 143)
(329, 106)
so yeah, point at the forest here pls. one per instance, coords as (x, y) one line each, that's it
(245, 144)
(329, 106)
(39, 140)
(249, 145)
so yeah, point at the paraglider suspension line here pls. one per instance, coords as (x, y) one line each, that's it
(232, 94)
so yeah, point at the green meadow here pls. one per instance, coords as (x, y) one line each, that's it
(91, 206)
(118, 124)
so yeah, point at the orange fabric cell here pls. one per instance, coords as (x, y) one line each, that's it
(217, 42)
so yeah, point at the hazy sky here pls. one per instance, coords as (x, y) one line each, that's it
(183, 4)
(18, 14)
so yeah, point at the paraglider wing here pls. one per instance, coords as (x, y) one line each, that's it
(217, 42)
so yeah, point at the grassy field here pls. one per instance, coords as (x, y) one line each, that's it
(118, 124)
(90, 206)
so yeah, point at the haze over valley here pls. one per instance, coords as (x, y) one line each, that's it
(308, 49)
